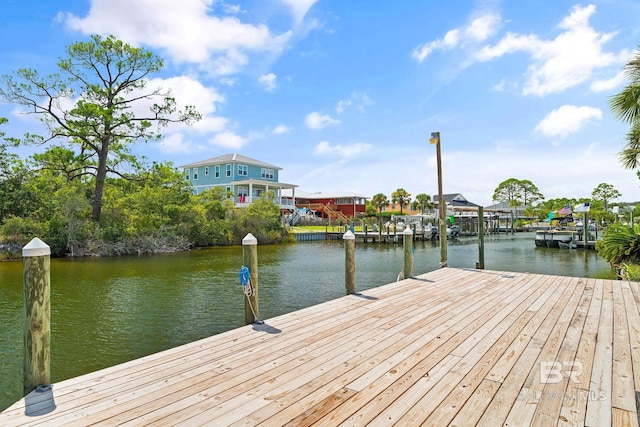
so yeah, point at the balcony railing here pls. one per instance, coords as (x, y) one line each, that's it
(243, 201)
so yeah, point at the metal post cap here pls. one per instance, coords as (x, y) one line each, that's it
(349, 235)
(36, 247)
(249, 239)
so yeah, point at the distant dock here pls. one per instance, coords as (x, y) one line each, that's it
(361, 236)
(456, 347)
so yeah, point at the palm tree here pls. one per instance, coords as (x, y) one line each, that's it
(380, 201)
(423, 202)
(626, 107)
(401, 197)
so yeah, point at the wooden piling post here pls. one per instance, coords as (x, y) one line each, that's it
(480, 264)
(407, 242)
(250, 260)
(585, 230)
(37, 321)
(349, 262)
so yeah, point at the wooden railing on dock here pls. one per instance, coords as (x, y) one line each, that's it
(451, 347)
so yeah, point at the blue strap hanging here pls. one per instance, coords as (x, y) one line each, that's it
(244, 275)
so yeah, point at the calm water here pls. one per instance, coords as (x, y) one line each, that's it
(109, 310)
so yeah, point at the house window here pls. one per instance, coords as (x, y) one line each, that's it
(186, 174)
(217, 171)
(228, 170)
(195, 174)
(206, 170)
(229, 193)
(267, 174)
(243, 170)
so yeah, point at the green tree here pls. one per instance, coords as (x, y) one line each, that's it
(401, 197)
(262, 219)
(103, 80)
(508, 191)
(530, 193)
(626, 107)
(559, 203)
(379, 201)
(14, 199)
(422, 202)
(605, 192)
(517, 192)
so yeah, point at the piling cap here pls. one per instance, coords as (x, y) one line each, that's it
(249, 239)
(36, 247)
(407, 231)
(349, 235)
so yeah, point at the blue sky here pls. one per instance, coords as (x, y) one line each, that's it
(343, 95)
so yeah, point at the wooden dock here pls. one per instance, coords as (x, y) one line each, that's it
(455, 347)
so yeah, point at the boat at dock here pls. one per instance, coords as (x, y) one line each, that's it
(553, 238)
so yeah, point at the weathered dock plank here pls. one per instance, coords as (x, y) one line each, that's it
(451, 347)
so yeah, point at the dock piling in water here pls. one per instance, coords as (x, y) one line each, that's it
(37, 330)
(407, 243)
(480, 264)
(349, 262)
(250, 260)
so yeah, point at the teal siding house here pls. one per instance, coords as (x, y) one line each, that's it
(244, 178)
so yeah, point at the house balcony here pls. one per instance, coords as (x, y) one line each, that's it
(282, 202)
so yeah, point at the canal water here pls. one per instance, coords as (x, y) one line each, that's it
(105, 311)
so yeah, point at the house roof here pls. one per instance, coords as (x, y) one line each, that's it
(231, 158)
(505, 206)
(337, 195)
(455, 199)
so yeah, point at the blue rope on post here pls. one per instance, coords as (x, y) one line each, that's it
(245, 280)
(244, 276)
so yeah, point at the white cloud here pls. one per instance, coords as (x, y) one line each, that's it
(176, 144)
(510, 43)
(299, 8)
(282, 129)
(153, 22)
(483, 27)
(228, 140)
(343, 151)
(268, 81)
(225, 64)
(478, 30)
(560, 63)
(342, 105)
(566, 120)
(232, 9)
(317, 121)
(189, 91)
(603, 85)
(358, 100)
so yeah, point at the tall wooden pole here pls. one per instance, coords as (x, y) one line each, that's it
(250, 260)
(37, 331)
(407, 243)
(480, 264)
(585, 230)
(349, 262)
(435, 139)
